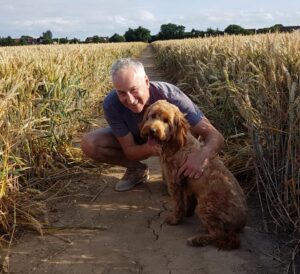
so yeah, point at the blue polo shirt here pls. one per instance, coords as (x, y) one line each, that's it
(122, 120)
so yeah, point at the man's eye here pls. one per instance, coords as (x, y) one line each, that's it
(121, 93)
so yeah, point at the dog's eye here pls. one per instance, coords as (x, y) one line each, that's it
(165, 120)
(152, 116)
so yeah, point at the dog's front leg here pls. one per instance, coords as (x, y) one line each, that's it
(176, 192)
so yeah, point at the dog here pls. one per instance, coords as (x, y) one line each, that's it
(216, 197)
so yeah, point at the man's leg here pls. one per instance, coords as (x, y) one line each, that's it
(101, 145)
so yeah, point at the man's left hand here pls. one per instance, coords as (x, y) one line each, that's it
(194, 164)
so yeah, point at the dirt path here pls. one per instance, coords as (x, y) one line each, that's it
(98, 230)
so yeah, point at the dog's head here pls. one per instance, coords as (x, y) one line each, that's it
(164, 123)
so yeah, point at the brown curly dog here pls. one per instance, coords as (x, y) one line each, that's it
(219, 200)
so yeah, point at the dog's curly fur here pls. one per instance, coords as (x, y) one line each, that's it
(219, 200)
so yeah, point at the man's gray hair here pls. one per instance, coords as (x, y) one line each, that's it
(125, 63)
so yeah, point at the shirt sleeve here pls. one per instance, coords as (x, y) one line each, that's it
(113, 116)
(184, 103)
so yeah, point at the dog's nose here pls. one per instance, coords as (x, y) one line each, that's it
(152, 131)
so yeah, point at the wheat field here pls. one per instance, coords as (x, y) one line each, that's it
(47, 95)
(249, 86)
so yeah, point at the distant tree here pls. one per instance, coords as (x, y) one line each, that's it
(197, 33)
(60, 40)
(74, 41)
(219, 32)
(171, 31)
(211, 32)
(277, 28)
(235, 29)
(116, 38)
(47, 37)
(63, 40)
(24, 40)
(130, 35)
(96, 39)
(140, 34)
(8, 41)
(154, 38)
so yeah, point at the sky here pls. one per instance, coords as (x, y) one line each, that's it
(85, 18)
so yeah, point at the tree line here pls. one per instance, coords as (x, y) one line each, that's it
(167, 31)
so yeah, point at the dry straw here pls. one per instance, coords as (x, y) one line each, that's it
(47, 95)
(249, 85)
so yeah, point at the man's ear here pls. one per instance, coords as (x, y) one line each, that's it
(147, 81)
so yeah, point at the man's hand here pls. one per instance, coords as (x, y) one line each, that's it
(194, 164)
(197, 161)
(153, 150)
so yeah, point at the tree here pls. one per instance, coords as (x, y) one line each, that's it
(130, 35)
(277, 28)
(47, 37)
(8, 41)
(197, 33)
(63, 40)
(235, 29)
(24, 40)
(154, 38)
(74, 41)
(116, 38)
(171, 31)
(96, 39)
(140, 34)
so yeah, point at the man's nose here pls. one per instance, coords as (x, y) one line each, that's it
(130, 97)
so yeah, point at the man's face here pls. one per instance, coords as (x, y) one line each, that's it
(132, 89)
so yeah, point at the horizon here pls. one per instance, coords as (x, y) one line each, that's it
(82, 19)
(134, 28)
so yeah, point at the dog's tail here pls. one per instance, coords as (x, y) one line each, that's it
(223, 240)
(228, 240)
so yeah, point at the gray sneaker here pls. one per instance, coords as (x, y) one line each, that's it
(131, 178)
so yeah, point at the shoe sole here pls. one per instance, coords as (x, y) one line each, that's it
(144, 180)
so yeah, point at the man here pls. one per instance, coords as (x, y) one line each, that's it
(124, 106)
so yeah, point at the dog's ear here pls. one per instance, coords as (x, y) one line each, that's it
(180, 129)
(141, 124)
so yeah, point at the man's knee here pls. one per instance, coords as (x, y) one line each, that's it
(95, 143)
(88, 145)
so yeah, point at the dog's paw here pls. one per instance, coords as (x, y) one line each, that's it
(199, 240)
(172, 220)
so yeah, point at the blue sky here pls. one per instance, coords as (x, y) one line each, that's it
(83, 18)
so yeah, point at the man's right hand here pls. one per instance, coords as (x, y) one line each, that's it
(153, 150)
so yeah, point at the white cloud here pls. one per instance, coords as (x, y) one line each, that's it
(146, 16)
(47, 22)
(120, 20)
(267, 16)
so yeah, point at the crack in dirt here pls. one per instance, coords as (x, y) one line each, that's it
(154, 218)
(138, 265)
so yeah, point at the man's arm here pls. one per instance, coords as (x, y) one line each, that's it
(136, 152)
(196, 161)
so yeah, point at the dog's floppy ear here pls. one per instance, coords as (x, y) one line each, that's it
(141, 124)
(180, 129)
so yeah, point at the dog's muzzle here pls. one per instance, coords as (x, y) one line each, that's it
(152, 137)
